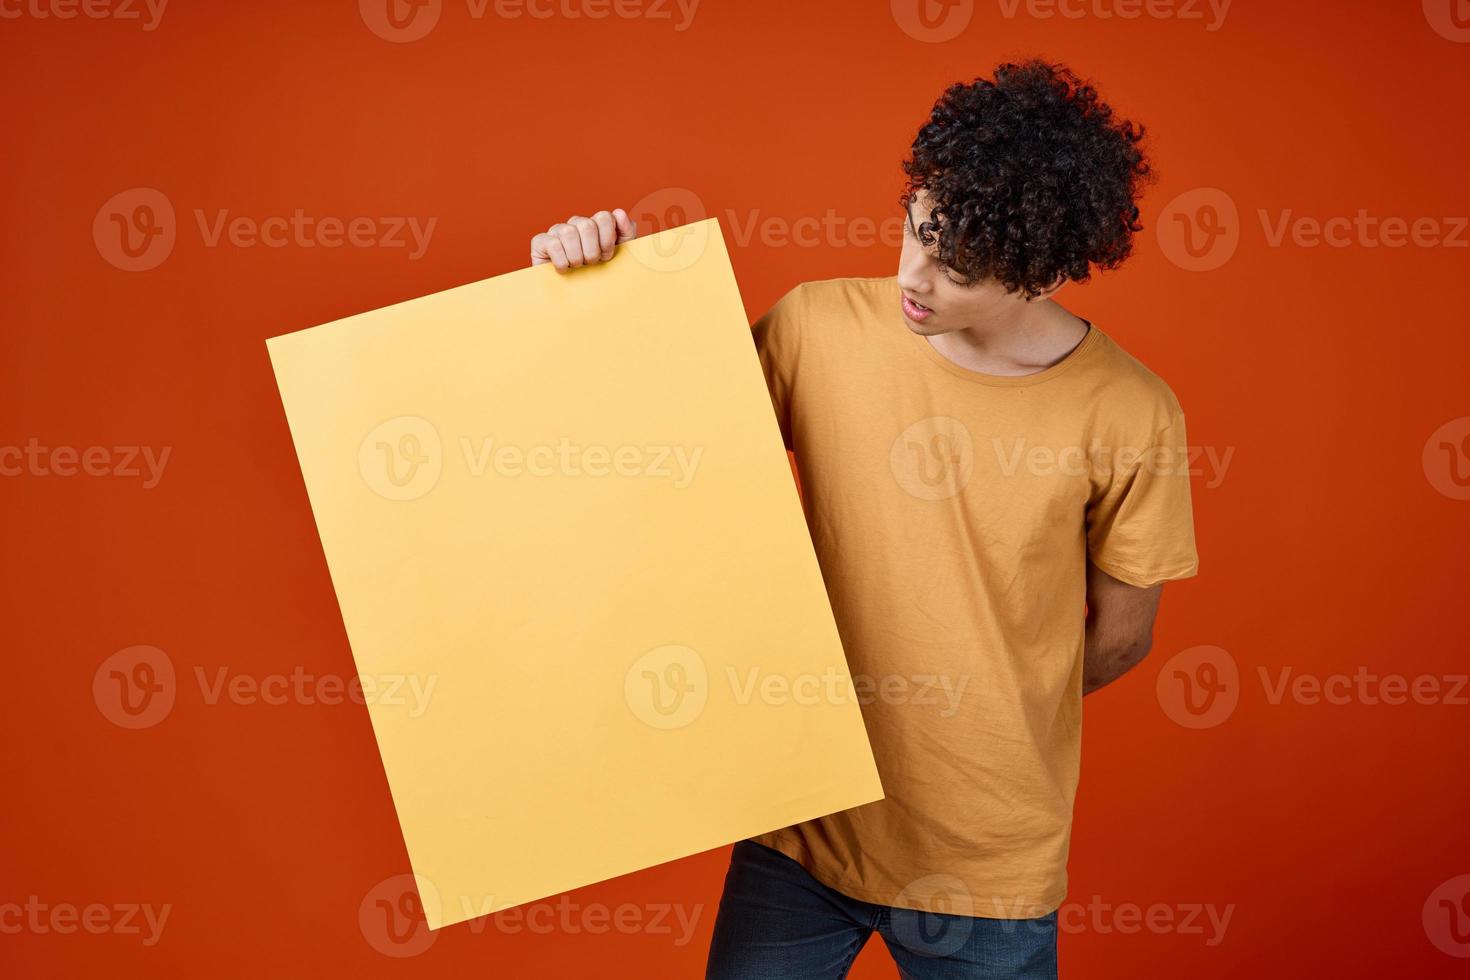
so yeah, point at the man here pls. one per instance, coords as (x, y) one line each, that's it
(996, 492)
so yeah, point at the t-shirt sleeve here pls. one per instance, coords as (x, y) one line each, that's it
(1140, 525)
(776, 342)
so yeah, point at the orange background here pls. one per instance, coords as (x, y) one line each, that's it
(1326, 548)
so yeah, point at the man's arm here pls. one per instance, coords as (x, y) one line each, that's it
(1120, 627)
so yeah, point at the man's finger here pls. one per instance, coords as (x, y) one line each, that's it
(627, 228)
(591, 247)
(571, 242)
(607, 233)
(539, 252)
(558, 254)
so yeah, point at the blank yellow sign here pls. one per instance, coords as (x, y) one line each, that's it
(574, 573)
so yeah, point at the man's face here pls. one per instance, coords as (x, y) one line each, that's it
(935, 299)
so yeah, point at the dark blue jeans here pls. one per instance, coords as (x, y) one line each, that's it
(777, 922)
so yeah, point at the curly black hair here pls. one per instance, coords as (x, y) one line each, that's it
(1030, 178)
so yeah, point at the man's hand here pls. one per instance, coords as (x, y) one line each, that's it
(582, 241)
(1120, 627)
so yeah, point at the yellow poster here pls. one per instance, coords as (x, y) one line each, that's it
(573, 570)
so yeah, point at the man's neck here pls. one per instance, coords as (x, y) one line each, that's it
(1039, 337)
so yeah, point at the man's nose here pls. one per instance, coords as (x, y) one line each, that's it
(912, 278)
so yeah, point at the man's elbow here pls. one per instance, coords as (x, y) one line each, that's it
(1115, 660)
(1133, 652)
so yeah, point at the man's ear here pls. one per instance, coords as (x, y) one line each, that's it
(1049, 290)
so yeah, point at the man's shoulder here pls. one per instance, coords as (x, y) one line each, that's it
(1130, 388)
(844, 295)
(832, 311)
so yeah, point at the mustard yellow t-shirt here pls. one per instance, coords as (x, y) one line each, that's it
(953, 514)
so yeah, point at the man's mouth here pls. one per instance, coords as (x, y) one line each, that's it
(916, 312)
